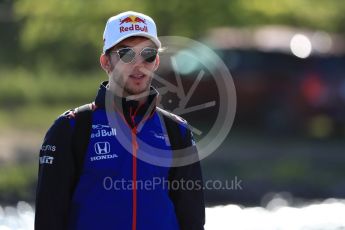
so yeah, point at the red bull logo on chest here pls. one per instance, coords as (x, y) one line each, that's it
(136, 23)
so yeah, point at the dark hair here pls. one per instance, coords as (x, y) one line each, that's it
(108, 51)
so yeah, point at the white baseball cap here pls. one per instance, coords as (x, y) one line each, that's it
(129, 24)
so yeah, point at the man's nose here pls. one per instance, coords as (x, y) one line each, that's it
(138, 60)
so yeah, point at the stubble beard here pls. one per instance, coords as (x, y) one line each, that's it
(123, 88)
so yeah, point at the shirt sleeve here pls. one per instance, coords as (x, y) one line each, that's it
(189, 200)
(56, 177)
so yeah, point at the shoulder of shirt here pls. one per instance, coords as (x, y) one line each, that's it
(67, 120)
(73, 113)
(172, 116)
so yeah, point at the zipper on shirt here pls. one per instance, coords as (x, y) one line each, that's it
(134, 169)
(135, 148)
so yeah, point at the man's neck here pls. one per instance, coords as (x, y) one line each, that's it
(141, 98)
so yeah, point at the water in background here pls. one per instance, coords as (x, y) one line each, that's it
(17, 218)
(325, 215)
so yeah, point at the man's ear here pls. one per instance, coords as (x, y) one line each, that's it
(104, 60)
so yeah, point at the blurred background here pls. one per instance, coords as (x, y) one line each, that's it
(287, 60)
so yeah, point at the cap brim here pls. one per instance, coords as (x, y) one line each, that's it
(154, 39)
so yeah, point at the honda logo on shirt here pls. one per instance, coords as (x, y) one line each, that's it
(102, 147)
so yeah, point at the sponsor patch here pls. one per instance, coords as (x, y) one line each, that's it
(102, 148)
(50, 148)
(46, 160)
(103, 131)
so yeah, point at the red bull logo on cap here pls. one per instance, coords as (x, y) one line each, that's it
(134, 21)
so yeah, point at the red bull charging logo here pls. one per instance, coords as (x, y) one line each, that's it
(135, 24)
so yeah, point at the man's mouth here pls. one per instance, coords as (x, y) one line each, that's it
(137, 76)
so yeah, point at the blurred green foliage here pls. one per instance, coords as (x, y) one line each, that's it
(34, 100)
(67, 35)
(17, 182)
(21, 87)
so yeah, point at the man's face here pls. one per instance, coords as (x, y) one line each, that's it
(131, 78)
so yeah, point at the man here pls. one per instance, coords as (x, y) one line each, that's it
(89, 166)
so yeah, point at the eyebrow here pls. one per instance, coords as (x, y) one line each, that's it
(124, 46)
